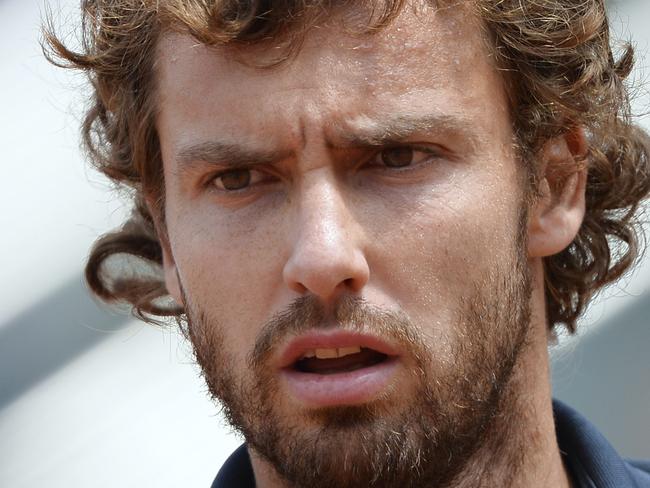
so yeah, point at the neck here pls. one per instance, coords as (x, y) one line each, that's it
(521, 448)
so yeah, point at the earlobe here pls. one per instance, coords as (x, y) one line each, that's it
(172, 281)
(559, 210)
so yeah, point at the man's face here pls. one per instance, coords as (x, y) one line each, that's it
(362, 200)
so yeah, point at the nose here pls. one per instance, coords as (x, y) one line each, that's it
(327, 258)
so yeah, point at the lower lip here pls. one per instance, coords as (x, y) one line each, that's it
(350, 388)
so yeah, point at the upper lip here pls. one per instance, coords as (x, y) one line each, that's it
(298, 346)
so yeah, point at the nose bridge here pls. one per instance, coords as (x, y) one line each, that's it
(326, 257)
(323, 219)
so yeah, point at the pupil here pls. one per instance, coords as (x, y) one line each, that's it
(236, 180)
(397, 157)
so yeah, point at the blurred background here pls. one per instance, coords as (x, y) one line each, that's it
(90, 397)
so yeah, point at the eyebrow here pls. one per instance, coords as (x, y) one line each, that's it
(368, 132)
(362, 132)
(226, 154)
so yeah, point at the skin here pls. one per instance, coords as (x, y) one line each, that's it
(325, 217)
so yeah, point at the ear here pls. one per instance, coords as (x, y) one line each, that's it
(559, 209)
(172, 281)
(170, 273)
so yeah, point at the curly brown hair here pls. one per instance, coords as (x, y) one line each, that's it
(556, 57)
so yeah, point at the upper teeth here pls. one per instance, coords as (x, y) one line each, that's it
(330, 353)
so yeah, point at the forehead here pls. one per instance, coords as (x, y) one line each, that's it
(428, 60)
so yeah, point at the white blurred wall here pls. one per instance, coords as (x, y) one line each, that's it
(95, 399)
(88, 398)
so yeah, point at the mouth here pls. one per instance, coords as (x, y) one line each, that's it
(338, 360)
(338, 368)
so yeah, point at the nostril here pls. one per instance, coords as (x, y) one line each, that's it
(324, 266)
(349, 282)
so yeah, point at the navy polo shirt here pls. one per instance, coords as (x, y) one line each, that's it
(590, 459)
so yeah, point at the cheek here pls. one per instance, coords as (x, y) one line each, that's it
(229, 267)
(442, 250)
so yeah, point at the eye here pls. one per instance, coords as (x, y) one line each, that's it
(397, 157)
(237, 179)
(403, 156)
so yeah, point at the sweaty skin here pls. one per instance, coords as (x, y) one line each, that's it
(280, 184)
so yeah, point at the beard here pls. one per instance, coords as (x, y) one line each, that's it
(423, 436)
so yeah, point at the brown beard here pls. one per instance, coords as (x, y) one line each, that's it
(427, 441)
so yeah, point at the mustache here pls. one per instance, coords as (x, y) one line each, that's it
(349, 313)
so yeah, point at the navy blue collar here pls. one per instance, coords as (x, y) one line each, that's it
(236, 472)
(592, 461)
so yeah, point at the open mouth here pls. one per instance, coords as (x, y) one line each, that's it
(327, 361)
(320, 369)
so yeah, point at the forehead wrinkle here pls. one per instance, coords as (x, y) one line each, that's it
(302, 131)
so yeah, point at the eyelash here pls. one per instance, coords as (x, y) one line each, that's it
(429, 152)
